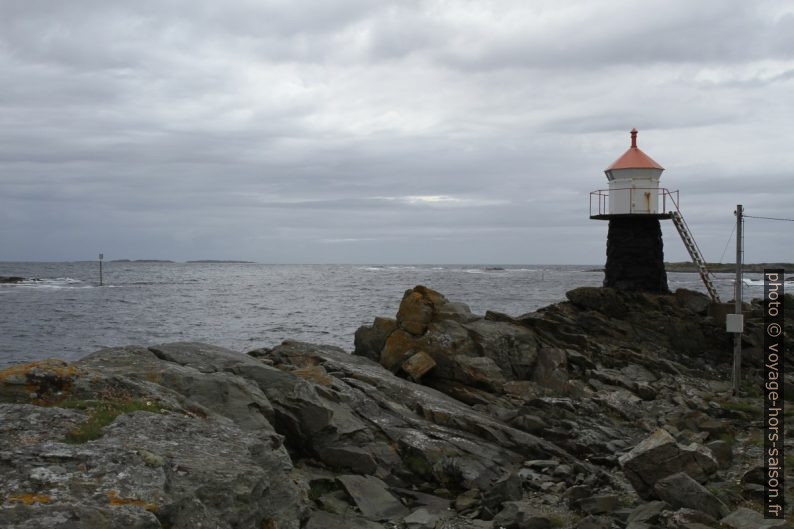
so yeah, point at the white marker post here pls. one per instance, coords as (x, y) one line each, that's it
(101, 256)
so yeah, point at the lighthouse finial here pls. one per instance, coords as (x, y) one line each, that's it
(633, 138)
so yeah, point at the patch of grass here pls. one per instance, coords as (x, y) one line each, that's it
(320, 487)
(728, 437)
(102, 413)
(756, 438)
(557, 521)
(417, 464)
(750, 389)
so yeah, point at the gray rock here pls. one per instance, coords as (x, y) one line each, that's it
(467, 500)
(415, 499)
(755, 475)
(455, 311)
(551, 369)
(621, 514)
(541, 464)
(370, 339)
(327, 520)
(603, 504)
(201, 356)
(146, 467)
(435, 436)
(659, 456)
(696, 302)
(744, 518)
(236, 398)
(521, 515)
(722, 451)
(617, 378)
(512, 347)
(648, 512)
(507, 488)
(373, 498)
(418, 365)
(605, 300)
(529, 423)
(594, 522)
(578, 492)
(578, 359)
(479, 371)
(680, 490)
(345, 457)
(422, 518)
(685, 518)
(335, 502)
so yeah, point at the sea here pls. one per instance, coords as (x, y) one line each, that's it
(61, 311)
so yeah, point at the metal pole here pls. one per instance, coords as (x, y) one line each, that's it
(737, 337)
(101, 256)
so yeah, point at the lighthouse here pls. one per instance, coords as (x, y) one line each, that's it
(635, 252)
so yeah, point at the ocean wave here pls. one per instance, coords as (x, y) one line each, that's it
(49, 283)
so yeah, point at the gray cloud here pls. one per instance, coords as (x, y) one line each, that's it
(367, 131)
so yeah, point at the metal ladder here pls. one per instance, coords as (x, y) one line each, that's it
(694, 252)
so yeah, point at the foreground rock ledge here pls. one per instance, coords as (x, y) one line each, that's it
(583, 414)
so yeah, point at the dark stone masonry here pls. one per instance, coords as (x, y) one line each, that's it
(635, 255)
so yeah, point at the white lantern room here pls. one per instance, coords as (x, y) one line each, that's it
(634, 182)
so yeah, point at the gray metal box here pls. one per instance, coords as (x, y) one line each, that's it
(734, 323)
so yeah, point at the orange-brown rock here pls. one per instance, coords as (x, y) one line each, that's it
(418, 365)
(415, 312)
(397, 345)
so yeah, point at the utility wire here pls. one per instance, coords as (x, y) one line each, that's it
(766, 218)
(727, 242)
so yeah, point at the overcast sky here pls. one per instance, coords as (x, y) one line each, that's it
(355, 131)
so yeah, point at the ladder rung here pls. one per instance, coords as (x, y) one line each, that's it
(694, 253)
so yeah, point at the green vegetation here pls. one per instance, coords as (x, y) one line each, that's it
(756, 438)
(728, 437)
(102, 413)
(321, 487)
(418, 464)
(743, 406)
(557, 521)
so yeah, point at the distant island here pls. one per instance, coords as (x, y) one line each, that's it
(753, 268)
(169, 261)
(219, 261)
(141, 261)
(689, 266)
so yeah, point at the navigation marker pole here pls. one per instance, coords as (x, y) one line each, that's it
(101, 256)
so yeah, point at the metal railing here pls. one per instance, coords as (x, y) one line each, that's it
(601, 198)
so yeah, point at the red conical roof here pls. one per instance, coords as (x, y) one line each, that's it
(634, 158)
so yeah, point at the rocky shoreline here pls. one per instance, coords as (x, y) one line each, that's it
(610, 410)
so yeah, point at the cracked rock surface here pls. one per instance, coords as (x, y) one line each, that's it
(600, 411)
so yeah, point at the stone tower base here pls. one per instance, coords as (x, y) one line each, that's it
(635, 255)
